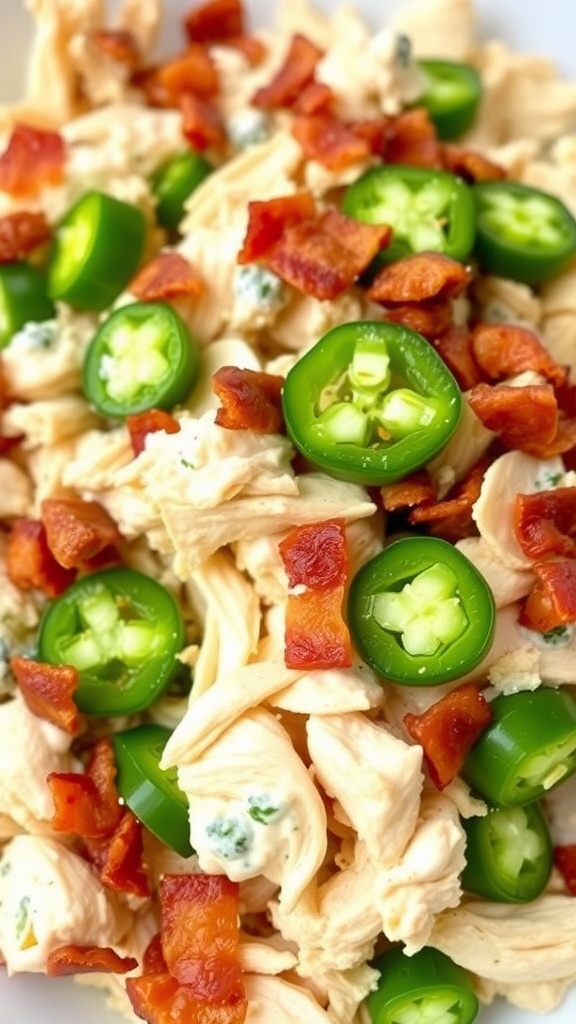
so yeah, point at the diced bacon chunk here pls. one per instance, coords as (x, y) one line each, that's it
(77, 531)
(296, 73)
(552, 601)
(430, 319)
(316, 635)
(448, 729)
(545, 523)
(48, 691)
(316, 556)
(469, 164)
(87, 960)
(190, 72)
(33, 159)
(525, 418)
(251, 400)
(140, 424)
(454, 346)
(418, 278)
(267, 221)
(123, 867)
(118, 45)
(30, 563)
(451, 518)
(503, 350)
(565, 861)
(166, 276)
(202, 124)
(21, 233)
(87, 804)
(328, 140)
(215, 21)
(409, 492)
(160, 999)
(411, 139)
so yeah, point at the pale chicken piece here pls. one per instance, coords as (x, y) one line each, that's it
(511, 474)
(212, 249)
(536, 997)
(44, 360)
(254, 809)
(29, 750)
(331, 692)
(120, 145)
(8, 828)
(47, 467)
(273, 1000)
(259, 956)
(260, 558)
(364, 540)
(305, 319)
(15, 489)
(507, 584)
(514, 944)
(343, 991)
(50, 897)
(49, 421)
(375, 777)
(225, 701)
(560, 809)
(559, 334)
(96, 459)
(509, 301)
(439, 28)
(467, 445)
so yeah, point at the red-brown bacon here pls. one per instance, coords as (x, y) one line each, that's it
(77, 531)
(72, 959)
(48, 691)
(503, 350)
(552, 600)
(30, 563)
(251, 400)
(291, 79)
(21, 233)
(419, 278)
(545, 523)
(87, 804)
(166, 276)
(448, 729)
(34, 158)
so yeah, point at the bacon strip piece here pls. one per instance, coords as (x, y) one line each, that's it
(315, 98)
(140, 424)
(525, 418)
(77, 531)
(454, 346)
(430, 319)
(545, 523)
(448, 729)
(34, 157)
(123, 867)
(296, 73)
(418, 278)
(86, 960)
(316, 556)
(202, 124)
(251, 400)
(452, 517)
(411, 139)
(48, 691)
(552, 600)
(328, 140)
(30, 563)
(409, 492)
(193, 71)
(160, 999)
(503, 350)
(87, 804)
(166, 276)
(119, 45)
(469, 164)
(565, 861)
(215, 21)
(21, 233)
(268, 220)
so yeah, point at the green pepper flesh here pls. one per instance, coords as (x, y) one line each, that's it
(426, 988)
(508, 854)
(452, 95)
(23, 299)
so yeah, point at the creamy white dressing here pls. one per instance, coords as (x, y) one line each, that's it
(246, 837)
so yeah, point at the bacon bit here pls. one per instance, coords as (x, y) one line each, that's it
(565, 861)
(552, 600)
(545, 522)
(202, 124)
(34, 158)
(414, 490)
(292, 78)
(153, 961)
(316, 556)
(251, 400)
(315, 98)
(7, 444)
(200, 939)
(411, 138)
(168, 275)
(215, 21)
(191, 72)
(430, 319)
(88, 804)
(140, 424)
(30, 563)
(418, 278)
(252, 48)
(329, 141)
(316, 634)
(86, 960)
(324, 256)
(268, 220)
(160, 999)
(119, 45)
(452, 518)
(123, 868)
(448, 729)
(48, 691)
(469, 164)
(77, 531)
(524, 418)
(454, 346)
(562, 443)
(503, 350)
(375, 132)
(21, 233)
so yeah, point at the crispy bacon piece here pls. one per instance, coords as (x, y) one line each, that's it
(153, 961)
(552, 600)
(34, 157)
(215, 21)
(202, 124)
(316, 556)
(430, 319)
(409, 492)
(87, 804)
(123, 868)
(296, 73)
(469, 164)
(77, 531)
(524, 418)
(418, 278)
(269, 219)
(503, 350)
(315, 98)
(140, 424)
(565, 861)
(448, 729)
(411, 138)
(21, 233)
(168, 275)
(326, 139)
(454, 346)
(545, 522)
(48, 691)
(119, 45)
(160, 999)
(251, 400)
(86, 960)
(30, 563)
(199, 930)
(192, 71)
(452, 517)
(316, 634)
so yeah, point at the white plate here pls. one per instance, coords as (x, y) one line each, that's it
(539, 26)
